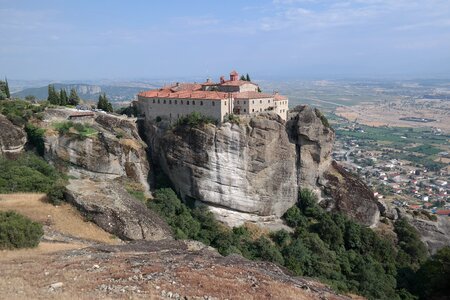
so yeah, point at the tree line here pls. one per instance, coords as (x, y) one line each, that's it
(61, 98)
(4, 90)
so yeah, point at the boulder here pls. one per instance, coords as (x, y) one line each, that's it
(108, 204)
(12, 138)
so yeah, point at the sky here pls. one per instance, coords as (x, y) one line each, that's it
(68, 40)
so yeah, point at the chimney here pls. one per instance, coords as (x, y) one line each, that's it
(222, 79)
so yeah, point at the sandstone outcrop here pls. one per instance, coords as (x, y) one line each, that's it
(108, 204)
(100, 162)
(12, 138)
(252, 170)
(113, 150)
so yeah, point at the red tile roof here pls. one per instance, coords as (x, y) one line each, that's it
(443, 212)
(168, 93)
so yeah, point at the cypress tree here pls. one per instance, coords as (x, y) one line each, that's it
(73, 98)
(104, 104)
(53, 97)
(63, 99)
(8, 95)
(247, 77)
(242, 78)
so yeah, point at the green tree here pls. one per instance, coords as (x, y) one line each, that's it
(104, 104)
(53, 97)
(242, 78)
(74, 99)
(8, 95)
(63, 99)
(247, 78)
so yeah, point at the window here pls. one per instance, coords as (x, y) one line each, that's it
(201, 102)
(181, 101)
(225, 102)
(193, 102)
(176, 101)
(260, 101)
(158, 101)
(238, 102)
(253, 110)
(170, 101)
(245, 110)
(164, 101)
(253, 101)
(244, 102)
(213, 103)
(154, 101)
(187, 102)
(268, 101)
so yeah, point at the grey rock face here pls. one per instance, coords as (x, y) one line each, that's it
(115, 150)
(252, 171)
(247, 168)
(12, 138)
(109, 205)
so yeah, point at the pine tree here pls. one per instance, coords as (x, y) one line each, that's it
(104, 104)
(242, 78)
(73, 98)
(247, 77)
(8, 95)
(63, 99)
(53, 97)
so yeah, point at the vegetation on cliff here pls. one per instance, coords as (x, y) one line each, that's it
(30, 173)
(331, 247)
(17, 231)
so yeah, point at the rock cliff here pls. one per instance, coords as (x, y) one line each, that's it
(252, 170)
(12, 138)
(99, 159)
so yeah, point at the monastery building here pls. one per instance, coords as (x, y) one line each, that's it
(216, 100)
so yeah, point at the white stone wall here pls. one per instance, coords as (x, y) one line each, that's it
(176, 108)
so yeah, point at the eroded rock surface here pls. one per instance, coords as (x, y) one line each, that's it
(108, 204)
(12, 138)
(252, 171)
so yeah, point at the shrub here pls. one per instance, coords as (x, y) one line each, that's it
(322, 118)
(81, 130)
(194, 119)
(17, 231)
(35, 137)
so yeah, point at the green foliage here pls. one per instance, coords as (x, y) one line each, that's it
(130, 111)
(17, 231)
(35, 137)
(53, 97)
(232, 118)
(4, 90)
(104, 104)
(412, 252)
(73, 99)
(332, 247)
(322, 118)
(79, 129)
(30, 173)
(194, 119)
(433, 277)
(63, 99)
(19, 112)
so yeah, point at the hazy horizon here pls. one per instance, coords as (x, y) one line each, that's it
(271, 40)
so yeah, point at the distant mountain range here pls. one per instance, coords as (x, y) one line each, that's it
(87, 91)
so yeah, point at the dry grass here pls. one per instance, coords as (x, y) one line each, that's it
(64, 218)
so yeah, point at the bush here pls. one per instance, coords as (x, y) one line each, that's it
(17, 231)
(194, 119)
(82, 130)
(19, 111)
(35, 137)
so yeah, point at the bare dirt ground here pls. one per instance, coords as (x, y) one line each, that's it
(389, 113)
(77, 260)
(63, 219)
(151, 270)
